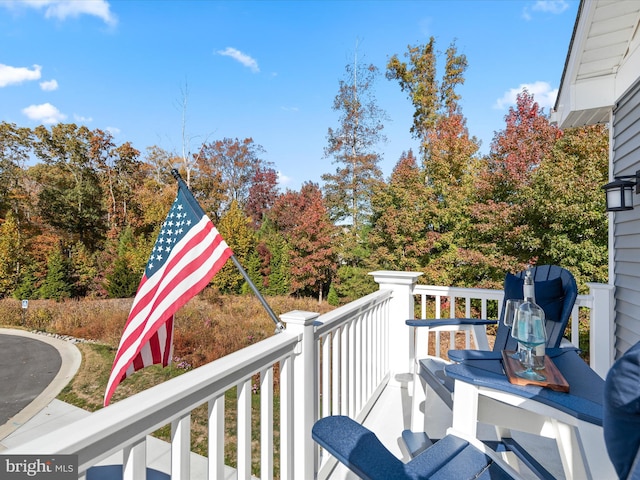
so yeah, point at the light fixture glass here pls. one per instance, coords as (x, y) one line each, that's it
(620, 194)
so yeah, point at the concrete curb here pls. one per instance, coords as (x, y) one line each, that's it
(71, 360)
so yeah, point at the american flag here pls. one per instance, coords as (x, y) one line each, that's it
(188, 252)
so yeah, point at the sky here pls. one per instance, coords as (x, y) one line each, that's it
(148, 70)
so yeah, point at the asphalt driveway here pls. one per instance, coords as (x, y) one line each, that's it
(27, 367)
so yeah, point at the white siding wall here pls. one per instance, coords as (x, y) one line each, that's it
(626, 225)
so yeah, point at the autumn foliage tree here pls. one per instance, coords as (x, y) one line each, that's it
(263, 192)
(500, 224)
(566, 217)
(400, 237)
(235, 228)
(303, 219)
(448, 155)
(226, 171)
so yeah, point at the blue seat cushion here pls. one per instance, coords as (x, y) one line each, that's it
(621, 421)
(114, 472)
(549, 294)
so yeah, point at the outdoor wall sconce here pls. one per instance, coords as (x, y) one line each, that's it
(620, 192)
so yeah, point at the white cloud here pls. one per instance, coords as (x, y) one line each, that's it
(49, 85)
(283, 180)
(542, 93)
(16, 75)
(80, 119)
(554, 7)
(63, 9)
(113, 130)
(243, 58)
(45, 113)
(550, 6)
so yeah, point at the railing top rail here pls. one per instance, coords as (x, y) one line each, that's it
(584, 300)
(488, 293)
(344, 314)
(128, 421)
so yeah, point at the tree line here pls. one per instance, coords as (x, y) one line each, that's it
(79, 213)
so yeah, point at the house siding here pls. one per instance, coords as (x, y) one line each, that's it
(626, 225)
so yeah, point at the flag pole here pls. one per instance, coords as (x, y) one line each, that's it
(276, 320)
(279, 325)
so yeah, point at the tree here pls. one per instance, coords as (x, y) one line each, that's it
(304, 221)
(449, 157)
(11, 255)
(418, 79)
(401, 237)
(235, 228)
(226, 170)
(352, 145)
(564, 208)
(499, 226)
(120, 177)
(71, 197)
(15, 150)
(519, 149)
(84, 268)
(160, 162)
(58, 283)
(273, 260)
(122, 281)
(263, 192)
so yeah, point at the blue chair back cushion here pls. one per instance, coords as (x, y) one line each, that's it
(621, 420)
(550, 296)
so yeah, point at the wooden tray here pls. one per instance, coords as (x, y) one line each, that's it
(555, 380)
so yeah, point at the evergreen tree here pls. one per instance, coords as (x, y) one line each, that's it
(27, 282)
(58, 284)
(122, 282)
(123, 276)
(85, 270)
(348, 190)
(279, 274)
(352, 145)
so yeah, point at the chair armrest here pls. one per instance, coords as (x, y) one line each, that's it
(357, 447)
(462, 355)
(443, 322)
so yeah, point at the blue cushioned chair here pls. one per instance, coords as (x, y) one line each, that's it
(453, 457)
(556, 292)
(621, 421)
(114, 472)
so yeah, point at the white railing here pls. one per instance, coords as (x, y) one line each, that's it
(478, 303)
(336, 354)
(353, 362)
(336, 363)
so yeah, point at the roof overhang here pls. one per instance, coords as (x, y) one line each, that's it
(602, 63)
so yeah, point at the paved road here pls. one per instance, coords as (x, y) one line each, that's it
(27, 367)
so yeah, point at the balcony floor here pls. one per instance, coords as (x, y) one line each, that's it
(391, 415)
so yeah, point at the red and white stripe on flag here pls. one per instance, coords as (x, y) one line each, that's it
(188, 252)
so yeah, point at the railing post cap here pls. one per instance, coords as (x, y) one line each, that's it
(299, 317)
(398, 278)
